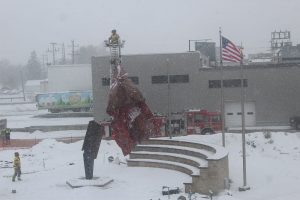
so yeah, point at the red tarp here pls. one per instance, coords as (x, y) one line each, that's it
(131, 116)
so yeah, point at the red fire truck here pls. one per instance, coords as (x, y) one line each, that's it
(202, 122)
(159, 123)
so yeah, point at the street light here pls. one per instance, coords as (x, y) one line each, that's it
(169, 100)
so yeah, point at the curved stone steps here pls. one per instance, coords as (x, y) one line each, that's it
(179, 143)
(218, 151)
(207, 164)
(198, 153)
(187, 169)
(184, 159)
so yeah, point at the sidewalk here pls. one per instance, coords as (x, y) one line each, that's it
(260, 128)
(28, 143)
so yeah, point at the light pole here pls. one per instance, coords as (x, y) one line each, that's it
(222, 91)
(244, 187)
(22, 83)
(169, 100)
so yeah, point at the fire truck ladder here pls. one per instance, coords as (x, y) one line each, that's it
(115, 55)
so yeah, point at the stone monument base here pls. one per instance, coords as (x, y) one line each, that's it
(96, 181)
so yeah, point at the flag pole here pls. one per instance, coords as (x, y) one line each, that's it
(244, 187)
(222, 90)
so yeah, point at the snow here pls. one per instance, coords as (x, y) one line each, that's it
(96, 181)
(22, 115)
(219, 151)
(261, 60)
(194, 170)
(203, 152)
(200, 161)
(19, 109)
(47, 135)
(273, 162)
(26, 121)
(33, 82)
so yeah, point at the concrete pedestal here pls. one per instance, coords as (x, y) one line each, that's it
(96, 181)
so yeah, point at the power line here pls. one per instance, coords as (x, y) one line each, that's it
(73, 53)
(63, 54)
(53, 44)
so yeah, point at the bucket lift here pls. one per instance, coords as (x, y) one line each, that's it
(115, 55)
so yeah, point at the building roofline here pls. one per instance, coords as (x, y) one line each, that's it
(149, 54)
(70, 65)
(255, 66)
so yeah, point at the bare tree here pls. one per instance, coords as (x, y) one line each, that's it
(9, 74)
(33, 67)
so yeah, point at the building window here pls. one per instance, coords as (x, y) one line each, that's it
(159, 79)
(198, 118)
(173, 79)
(216, 118)
(214, 83)
(179, 78)
(134, 79)
(229, 83)
(105, 81)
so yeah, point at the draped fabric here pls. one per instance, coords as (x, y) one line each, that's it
(131, 117)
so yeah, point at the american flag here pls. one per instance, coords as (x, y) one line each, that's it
(230, 52)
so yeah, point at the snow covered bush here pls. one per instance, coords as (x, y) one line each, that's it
(267, 134)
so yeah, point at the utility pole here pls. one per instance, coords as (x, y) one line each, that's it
(45, 62)
(54, 50)
(63, 54)
(44, 57)
(22, 82)
(73, 53)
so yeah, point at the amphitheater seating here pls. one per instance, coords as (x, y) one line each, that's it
(206, 164)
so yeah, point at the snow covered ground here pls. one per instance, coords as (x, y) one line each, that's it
(273, 163)
(23, 115)
(272, 171)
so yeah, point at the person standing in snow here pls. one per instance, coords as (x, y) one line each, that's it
(7, 136)
(17, 167)
(114, 38)
(2, 135)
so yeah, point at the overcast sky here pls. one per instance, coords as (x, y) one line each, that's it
(148, 26)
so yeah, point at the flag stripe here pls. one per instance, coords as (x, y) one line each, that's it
(230, 52)
(233, 49)
(229, 56)
(226, 57)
